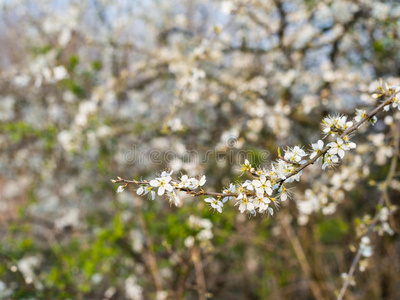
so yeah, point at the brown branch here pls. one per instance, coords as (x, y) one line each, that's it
(149, 256)
(358, 255)
(190, 192)
(198, 266)
(302, 259)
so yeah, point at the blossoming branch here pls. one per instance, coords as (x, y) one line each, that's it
(268, 185)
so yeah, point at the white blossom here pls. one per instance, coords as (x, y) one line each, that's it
(360, 114)
(348, 143)
(335, 124)
(189, 242)
(215, 203)
(317, 148)
(261, 203)
(245, 204)
(121, 188)
(295, 155)
(338, 147)
(230, 190)
(365, 247)
(329, 161)
(191, 183)
(248, 185)
(133, 290)
(173, 198)
(163, 184)
(144, 190)
(262, 185)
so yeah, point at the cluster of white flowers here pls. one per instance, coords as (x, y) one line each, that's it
(5, 292)
(295, 155)
(335, 124)
(165, 185)
(362, 114)
(366, 252)
(258, 194)
(365, 246)
(133, 290)
(27, 266)
(261, 200)
(389, 90)
(268, 186)
(191, 183)
(384, 221)
(203, 228)
(280, 169)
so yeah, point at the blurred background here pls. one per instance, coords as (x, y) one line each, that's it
(91, 90)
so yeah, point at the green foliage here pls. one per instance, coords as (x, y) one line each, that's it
(332, 230)
(75, 87)
(97, 65)
(41, 50)
(73, 62)
(19, 131)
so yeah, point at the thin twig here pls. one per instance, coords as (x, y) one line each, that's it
(302, 259)
(358, 256)
(385, 197)
(198, 266)
(150, 256)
